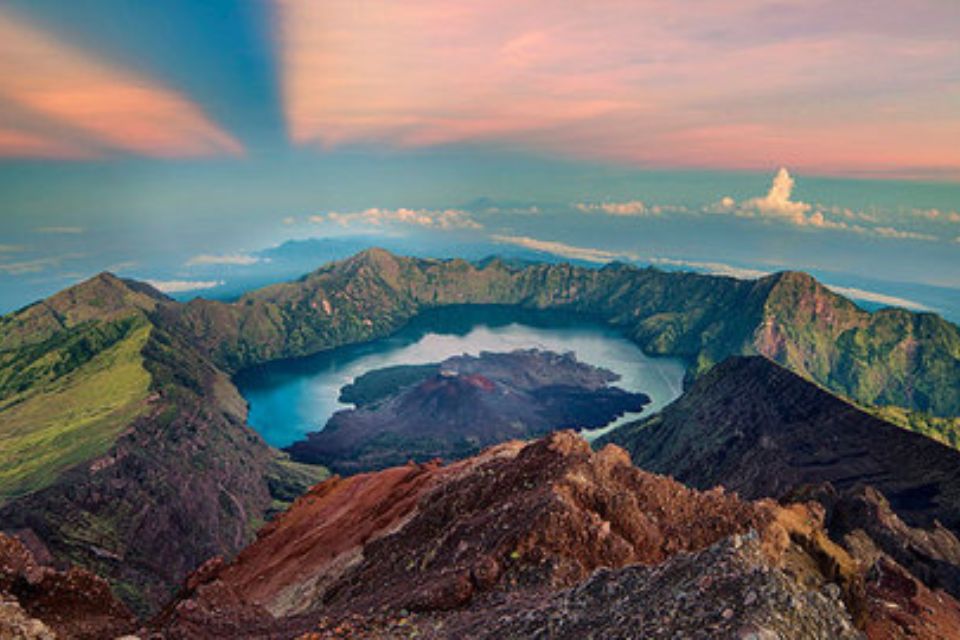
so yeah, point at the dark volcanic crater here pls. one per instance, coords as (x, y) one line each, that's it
(455, 408)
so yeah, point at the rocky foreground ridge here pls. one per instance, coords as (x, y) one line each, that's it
(549, 539)
(41, 603)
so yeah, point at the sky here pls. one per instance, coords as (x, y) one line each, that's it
(178, 141)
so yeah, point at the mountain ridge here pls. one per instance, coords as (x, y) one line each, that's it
(888, 357)
(185, 410)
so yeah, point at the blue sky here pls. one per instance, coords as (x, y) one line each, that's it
(174, 141)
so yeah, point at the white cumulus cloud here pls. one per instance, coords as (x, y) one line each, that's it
(180, 286)
(937, 215)
(778, 201)
(629, 208)
(445, 219)
(237, 259)
(587, 254)
(779, 205)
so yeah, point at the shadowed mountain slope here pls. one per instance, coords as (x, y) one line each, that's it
(125, 451)
(761, 430)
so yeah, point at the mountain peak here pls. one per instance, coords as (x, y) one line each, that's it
(105, 293)
(794, 278)
(101, 297)
(518, 518)
(374, 255)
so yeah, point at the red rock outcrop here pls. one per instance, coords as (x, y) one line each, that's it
(72, 604)
(900, 606)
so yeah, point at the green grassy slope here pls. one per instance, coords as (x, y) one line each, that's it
(62, 420)
(122, 448)
(72, 379)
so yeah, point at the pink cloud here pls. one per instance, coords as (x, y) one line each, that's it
(25, 144)
(106, 106)
(748, 84)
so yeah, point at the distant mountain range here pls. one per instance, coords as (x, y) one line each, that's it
(125, 443)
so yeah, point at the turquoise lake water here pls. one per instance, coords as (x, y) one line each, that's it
(290, 398)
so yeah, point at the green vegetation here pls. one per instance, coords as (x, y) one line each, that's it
(890, 358)
(945, 430)
(373, 386)
(58, 420)
(35, 365)
(288, 479)
(70, 387)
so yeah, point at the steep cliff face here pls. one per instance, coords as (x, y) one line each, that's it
(870, 357)
(517, 521)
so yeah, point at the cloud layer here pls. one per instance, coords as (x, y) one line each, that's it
(779, 205)
(629, 208)
(182, 286)
(232, 259)
(443, 219)
(561, 249)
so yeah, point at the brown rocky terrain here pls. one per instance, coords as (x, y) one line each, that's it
(546, 540)
(457, 550)
(889, 497)
(863, 519)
